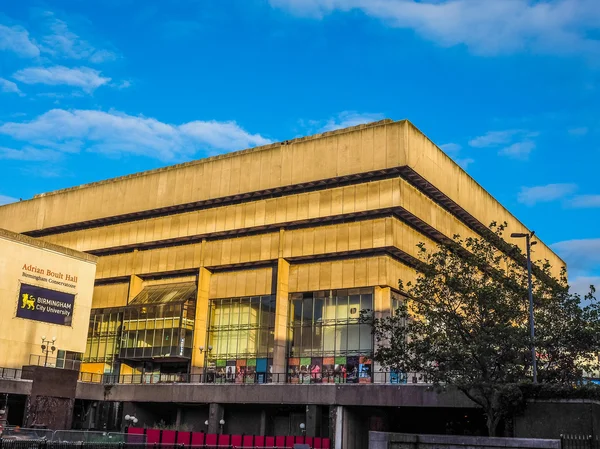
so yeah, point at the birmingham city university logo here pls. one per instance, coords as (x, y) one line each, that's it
(28, 302)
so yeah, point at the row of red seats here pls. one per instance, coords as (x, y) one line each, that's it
(200, 439)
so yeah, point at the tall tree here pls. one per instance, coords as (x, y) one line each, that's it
(465, 324)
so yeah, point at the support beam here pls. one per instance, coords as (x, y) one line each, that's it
(281, 318)
(216, 412)
(201, 322)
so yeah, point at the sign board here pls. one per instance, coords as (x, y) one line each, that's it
(43, 304)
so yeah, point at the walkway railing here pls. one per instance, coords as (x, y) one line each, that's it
(256, 378)
(10, 373)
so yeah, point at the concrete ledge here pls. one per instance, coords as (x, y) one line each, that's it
(349, 395)
(16, 386)
(384, 440)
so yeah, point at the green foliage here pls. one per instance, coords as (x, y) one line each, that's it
(164, 426)
(466, 325)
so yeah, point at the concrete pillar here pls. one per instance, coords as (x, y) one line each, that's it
(216, 413)
(178, 418)
(281, 316)
(136, 285)
(201, 318)
(382, 302)
(313, 420)
(263, 422)
(338, 438)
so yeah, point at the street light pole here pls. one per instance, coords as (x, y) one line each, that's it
(529, 244)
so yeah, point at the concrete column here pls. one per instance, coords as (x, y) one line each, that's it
(338, 439)
(263, 422)
(216, 413)
(382, 302)
(313, 420)
(201, 321)
(136, 284)
(281, 319)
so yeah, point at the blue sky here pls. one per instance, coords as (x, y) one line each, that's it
(508, 88)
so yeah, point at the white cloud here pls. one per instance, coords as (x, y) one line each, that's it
(450, 148)
(581, 255)
(585, 201)
(518, 150)
(581, 131)
(29, 153)
(465, 162)
(63, 43)
(514, 143)
(349, 118)
(16, 39)
(118, 133)
(7, 200)
(581, 285)
(494, 138)
(7, 86)
(484, 26)
(83, 77)
(543, 194)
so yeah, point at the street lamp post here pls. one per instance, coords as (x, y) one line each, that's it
(202, 351)
(48, 346)
(529, 244)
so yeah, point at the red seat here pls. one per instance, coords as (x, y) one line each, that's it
(184, 438)
(198, 438)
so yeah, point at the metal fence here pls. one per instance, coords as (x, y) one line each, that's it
(10, 373)
(54, 362)
(569, 441)
(255, 378)
(43, 444)
(70, 436)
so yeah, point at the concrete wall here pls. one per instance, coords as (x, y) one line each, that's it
(20, 337)
(383, 440)
(550, 419)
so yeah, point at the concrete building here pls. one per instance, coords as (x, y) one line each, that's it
(45, 291)
(253, 266)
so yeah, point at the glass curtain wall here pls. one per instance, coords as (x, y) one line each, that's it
(328, 342)
(240, 339)
(159, 322)
(103, 340)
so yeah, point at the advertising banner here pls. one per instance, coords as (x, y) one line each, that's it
(48, 306)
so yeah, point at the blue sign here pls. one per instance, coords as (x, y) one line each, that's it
(48, 306)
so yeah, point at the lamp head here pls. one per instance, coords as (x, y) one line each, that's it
(134, 420)
(210, 348)
(127, 417)
(201, 348)
(302, 426)
(222, 421)
(206, 422)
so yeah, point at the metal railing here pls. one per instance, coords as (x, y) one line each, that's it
(10, 373)
(54, 362)
(71, 436)
(568, 441)
(43, 444)
(255, 378)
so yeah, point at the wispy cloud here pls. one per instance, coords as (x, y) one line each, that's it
(7, 86)
(465, 162)
(117, 133)
(581, 284)
(29, 153)
(7, 200)
(518, 150)
(450, 148)
(581, 131)
(16, 40)
(585, 201)
(543, 194)
(581, 255)
(64, 43)
(83, 77)
(514, 143)
(551, 27)
(344, 119)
